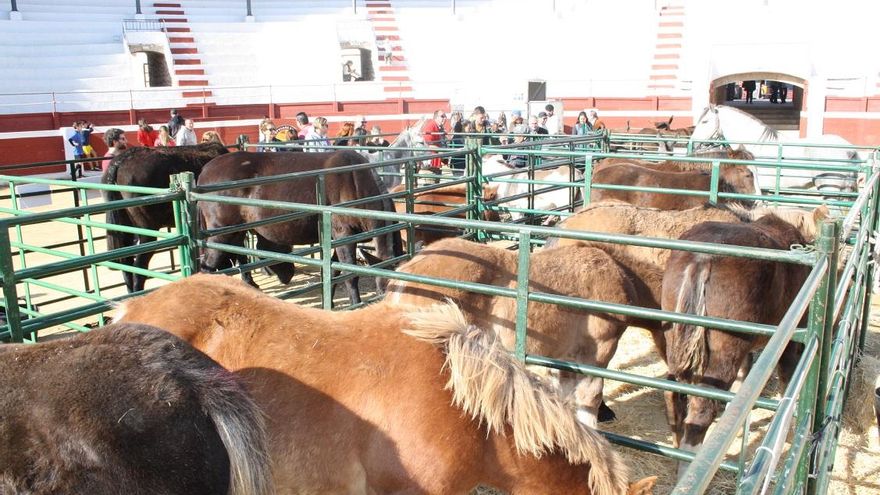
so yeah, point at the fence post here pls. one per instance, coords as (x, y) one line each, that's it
(713, 185)
(522, 293)
(588, 177)
(186, 216)
(325, 237)
(820, 323)
(10, 294)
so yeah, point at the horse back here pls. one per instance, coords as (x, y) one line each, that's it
(116, 410)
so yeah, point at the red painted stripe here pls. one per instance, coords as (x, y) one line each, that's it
(668, 45)
(397, 88)
(394, 68)
(187, 61)
(178, 29)
(672, 24)
(665, 56)
(661, 86)
(196, 94)
(385, 28)
(181, 51)
(383, 19)
(169, 12)
(388, 37)
(179, 39)
(395, 78)
(195, 82)
(658, 77)
(190, 72)
(172, 5)
(664, 66)
(668, 35)
(175, 19)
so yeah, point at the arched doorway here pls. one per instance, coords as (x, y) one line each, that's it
(150, 67)
(778, 99)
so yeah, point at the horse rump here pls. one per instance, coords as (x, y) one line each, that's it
(126, 409)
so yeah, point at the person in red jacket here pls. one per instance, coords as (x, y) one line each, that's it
(435, 134)
(146, 135)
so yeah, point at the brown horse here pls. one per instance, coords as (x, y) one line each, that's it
(438, 201)
(725, 287)
(644, 265)
(679, 165)
(733, 178)
(552, 330)
(126, 409)
(148, 167)
(356, 405)
(281, 236)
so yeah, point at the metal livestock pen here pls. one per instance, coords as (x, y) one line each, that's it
(795, 454)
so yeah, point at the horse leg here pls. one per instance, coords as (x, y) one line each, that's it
(346, 255)
(588, 397)
(676, 405)
(141, 261)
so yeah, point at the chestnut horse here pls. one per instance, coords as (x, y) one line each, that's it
(387, 399)
(148, 167)
(724, 287)
(126, 409)
(281, 236)
(552, 330)
(439, 201)
(733, 179)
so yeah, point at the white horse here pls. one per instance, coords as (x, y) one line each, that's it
(719, 122)
(547, 201)
(409, 137)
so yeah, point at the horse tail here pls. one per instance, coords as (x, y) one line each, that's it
(119, 216)
(241, 428)
(494, 387)
(687, 350)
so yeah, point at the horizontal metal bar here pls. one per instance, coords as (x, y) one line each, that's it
(33, 218)
(806, 258)
(84, 261)
(662, 450)
(108, 264)
(644, 381)
(81, 185)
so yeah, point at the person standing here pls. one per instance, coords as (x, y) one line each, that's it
(146, 136)
(77, 140)
(116, 143)
(552, 124)
(749, 90)
(783, 92)
(302, 122)
(535, 126)
(175, 123)
(186, 136)
(434, 134)
(164, 139)
(595, 121)
(317, 136)
(582, 127)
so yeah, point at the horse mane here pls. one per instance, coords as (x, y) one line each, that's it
(803, 221)
(769, 134)
(493, 387)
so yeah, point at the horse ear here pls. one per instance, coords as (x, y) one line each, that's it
(669, 124)
(821, 213)
(642, 487)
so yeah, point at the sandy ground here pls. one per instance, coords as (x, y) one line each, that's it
(640, 411)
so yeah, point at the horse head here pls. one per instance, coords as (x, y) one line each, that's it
(708, 128)
(740, 178)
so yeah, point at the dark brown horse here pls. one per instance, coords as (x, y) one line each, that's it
(126, 409)
(439, 201)
(148, 167)
(388, 399)
(725, 287)
(733, 178)
(281, 236)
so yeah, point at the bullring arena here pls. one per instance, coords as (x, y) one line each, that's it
(702, 183)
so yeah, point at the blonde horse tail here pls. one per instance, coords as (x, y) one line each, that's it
(241, 428)
(491, 385)
(686, 349)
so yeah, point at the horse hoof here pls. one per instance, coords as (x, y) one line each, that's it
(606, 414)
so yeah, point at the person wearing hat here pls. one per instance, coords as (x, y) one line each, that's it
(360, 130)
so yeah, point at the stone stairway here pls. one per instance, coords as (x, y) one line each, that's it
(780, 117)
(665, 67)
(187, 65)
(394, 71)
